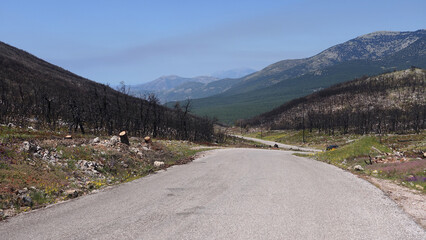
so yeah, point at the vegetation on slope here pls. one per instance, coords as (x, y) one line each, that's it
(393, 102)
(36, 93)
(258, 97)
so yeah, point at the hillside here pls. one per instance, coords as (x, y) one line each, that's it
(370, 54)
(36, 93)
(391, 102)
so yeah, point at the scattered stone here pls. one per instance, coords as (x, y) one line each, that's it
(11, 125)
(419, 187)
(23, 191)
(29, 147)
(9, 212)
(145, 148)
(358, 168)
(114, 140)
(27, 201)
(134, 150)
(71, 193)
(96, 140)
(375, 172)
(158, 163)
(68, 136)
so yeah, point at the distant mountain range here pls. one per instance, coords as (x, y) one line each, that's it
(175, 88)
(283, 81)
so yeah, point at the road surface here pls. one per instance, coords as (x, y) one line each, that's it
(280, 145)
(229, 194)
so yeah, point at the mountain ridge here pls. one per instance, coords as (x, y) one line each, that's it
(224, 105)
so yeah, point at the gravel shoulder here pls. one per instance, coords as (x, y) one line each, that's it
(411, 201)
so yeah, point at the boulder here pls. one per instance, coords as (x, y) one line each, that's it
(358, 168)
(96, 140)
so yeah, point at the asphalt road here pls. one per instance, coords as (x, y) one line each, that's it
(229, 194)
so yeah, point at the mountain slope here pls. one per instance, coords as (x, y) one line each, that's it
(35, 92)
(371, 46)
(166, 83)
(264, 96)
(391, 102)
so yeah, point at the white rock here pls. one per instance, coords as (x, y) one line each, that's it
(158, 163)
(114, 140)
(358, 168)
(26, 146)
(96, 140)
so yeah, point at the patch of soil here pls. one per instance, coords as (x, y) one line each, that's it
(411, 201)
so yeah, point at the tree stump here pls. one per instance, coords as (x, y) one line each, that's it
(124, 138)
(68, 137)
(147, 139)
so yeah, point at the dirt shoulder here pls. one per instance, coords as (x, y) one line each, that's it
(411, 201)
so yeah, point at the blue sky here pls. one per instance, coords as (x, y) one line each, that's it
(138, 41)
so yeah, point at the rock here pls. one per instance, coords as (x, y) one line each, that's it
(114, 140)
(71, 193)
(419, 187)
(145, 148)
(375, 172)
(158, 163)
(9, 212)
(1, 213)
(134, 150)
(10, 125)
(147, 139)
(26, 146)
(27, 201)
(424, 154)
(96, 140)
(29, 147)
(358, 168)
(23, 191)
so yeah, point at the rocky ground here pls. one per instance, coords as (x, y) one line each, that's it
(38, 168)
